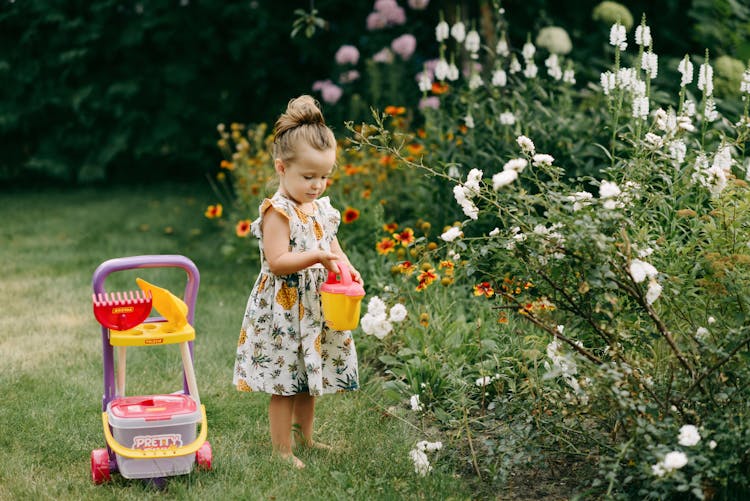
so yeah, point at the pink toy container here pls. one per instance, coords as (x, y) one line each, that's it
(150, 423)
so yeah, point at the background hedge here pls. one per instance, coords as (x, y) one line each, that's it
(133, 90)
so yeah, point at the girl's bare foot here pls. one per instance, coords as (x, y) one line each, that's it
(292, 459)
(312, 444)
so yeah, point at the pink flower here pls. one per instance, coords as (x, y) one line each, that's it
(347, 54)
(419, 4)
(472, 66)
(319, 84)
(384, 55)
(349, 76)
(331, 93)
(404, 46)
(430, 64)
(429, 102)
(385, 13)
(376, 21)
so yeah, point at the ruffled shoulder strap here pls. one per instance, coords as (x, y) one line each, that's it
(279, 203)
(330, 215)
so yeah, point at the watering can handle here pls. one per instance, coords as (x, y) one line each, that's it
(346, 275)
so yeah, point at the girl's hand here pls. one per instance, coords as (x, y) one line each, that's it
(327, 259)
(355, 275)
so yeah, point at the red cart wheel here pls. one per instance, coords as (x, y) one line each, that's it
(100, 466)
(203, 456)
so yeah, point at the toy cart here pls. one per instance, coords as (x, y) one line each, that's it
(152, 436)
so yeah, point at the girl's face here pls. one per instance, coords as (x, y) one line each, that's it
(306, 177)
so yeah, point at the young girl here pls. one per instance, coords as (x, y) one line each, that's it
(285, 347)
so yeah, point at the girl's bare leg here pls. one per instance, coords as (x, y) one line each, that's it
(280, 411)
(302, 420)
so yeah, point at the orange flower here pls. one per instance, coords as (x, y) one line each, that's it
(484, 289)
(386, 160)
(449, 265)
(366, 194)
(385, 246)
(214, 211)
(426, 278)
(350, 169)
(414, 148)
(226, 164)
(395, 110)
(350, 215)
(406, 237)
(390, 227)
(421, 133)
(406, 267)
(243, 228)
(463, 128)
(440, 88)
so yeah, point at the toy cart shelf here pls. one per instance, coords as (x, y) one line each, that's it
(149, 436)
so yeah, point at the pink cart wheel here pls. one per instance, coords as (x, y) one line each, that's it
(203, 456)
(100, 466)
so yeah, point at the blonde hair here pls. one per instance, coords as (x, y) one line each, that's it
(304, 121)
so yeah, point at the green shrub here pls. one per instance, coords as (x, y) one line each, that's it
(639, 294)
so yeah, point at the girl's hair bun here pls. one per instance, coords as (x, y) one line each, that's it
(300, 111)
(301, 120)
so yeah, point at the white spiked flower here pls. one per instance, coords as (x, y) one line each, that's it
(499, 78)
(424, 81)
(515, 66)
(706, 79)
(643, 35)
(618, 36)
(709, 112)
(608, 81)
(441, 70)
(531, 70)
(458, 32)
(528, 51)
(650, 63)
(442, 31)
(686, 70)
(472, 42)
(502, 48)
(452, 72)
(745, 84)
(475, 81)
(640, 107)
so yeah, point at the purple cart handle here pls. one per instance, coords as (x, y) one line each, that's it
(129, 263)
(135, 262)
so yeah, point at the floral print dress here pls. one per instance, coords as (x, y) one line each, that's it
(285, 347)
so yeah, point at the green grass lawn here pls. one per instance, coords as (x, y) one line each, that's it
(51, 367)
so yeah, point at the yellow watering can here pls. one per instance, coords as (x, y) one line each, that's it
(341, 299)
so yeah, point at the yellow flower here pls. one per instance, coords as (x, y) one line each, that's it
(484, 289)
(214, 211)
(385, 246)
